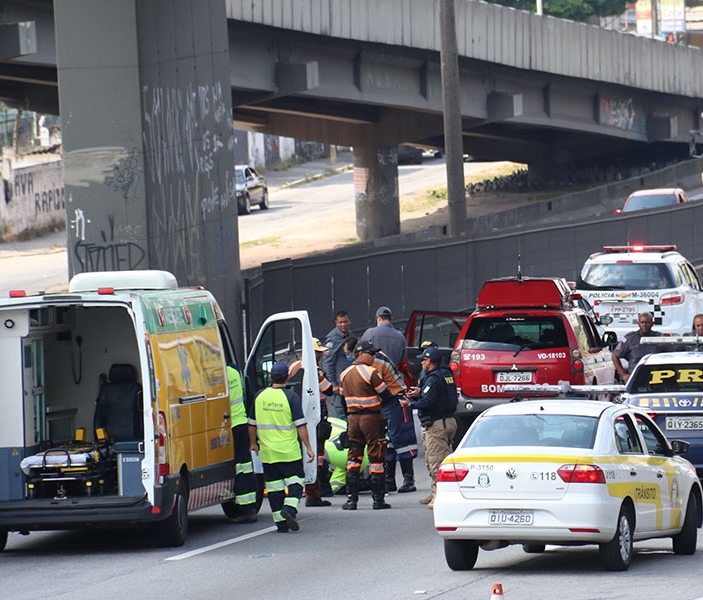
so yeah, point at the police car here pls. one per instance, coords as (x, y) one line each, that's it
(565, 472)
(623, 281)
(669, 386)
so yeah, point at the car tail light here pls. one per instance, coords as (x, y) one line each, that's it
(581, 474)
(576, 362)
(673, 298)
(451, 471)
(652, 415)
(455, 367)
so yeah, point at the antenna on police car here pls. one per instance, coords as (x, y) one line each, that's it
(519, 260)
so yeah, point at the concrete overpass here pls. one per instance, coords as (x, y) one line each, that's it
(143, 92)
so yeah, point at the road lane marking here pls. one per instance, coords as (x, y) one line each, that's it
(223, 544)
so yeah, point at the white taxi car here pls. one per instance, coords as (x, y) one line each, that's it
(623, 281)
(565, 472)
(669, 386)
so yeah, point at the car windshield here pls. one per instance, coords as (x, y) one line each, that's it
(558, 431)
(653, 201)
(515, 332)
(626, 276)
(671, 377)
(239, 176)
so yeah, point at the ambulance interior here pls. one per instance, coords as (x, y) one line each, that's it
(82, 395)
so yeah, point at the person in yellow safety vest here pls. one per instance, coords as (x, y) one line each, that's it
(244, 477)
(278, 421)
(336, 452)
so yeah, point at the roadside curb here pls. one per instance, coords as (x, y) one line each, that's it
(329, 172)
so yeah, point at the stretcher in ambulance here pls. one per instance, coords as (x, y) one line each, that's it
(115, 402)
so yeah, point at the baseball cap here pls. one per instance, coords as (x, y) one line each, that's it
(279, 370)
(365, 346)
(424, 346)
(384, 311)
(433, 354)
(318, 346)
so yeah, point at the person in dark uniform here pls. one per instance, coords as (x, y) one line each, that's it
(335, 361)
(436, 403)
(630, 348)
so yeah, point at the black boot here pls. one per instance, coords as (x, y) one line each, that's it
(390, 476)
(377, 490)
(323, 476)
(352, 490)
(406, 466)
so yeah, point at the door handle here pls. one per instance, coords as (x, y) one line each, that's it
(633, 473)
(660, 474)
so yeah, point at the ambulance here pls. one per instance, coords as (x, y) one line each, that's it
(115, 403)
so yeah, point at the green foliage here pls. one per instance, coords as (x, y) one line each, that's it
(576, 10)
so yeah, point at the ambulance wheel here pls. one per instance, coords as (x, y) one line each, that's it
(260, 487)
(3, 539)
(173, 531)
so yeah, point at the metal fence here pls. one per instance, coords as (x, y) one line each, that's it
(447, 274)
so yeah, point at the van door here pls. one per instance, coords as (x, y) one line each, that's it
(287, 337)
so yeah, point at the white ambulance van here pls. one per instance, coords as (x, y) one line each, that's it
(115, 402)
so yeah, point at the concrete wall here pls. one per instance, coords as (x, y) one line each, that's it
(32, 197)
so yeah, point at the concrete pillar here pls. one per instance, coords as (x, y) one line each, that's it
(376, 191)
(148, 140)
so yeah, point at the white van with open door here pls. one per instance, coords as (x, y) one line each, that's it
(115, 402)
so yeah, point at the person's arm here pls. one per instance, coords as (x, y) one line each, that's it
(329, 362)
(253, 444)
(305, 438)
(620, 369)
(427, 397)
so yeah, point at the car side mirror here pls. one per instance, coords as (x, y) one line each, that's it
(610, 339)
(606, 320)
(680, 446)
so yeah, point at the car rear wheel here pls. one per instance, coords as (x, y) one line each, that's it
(264, 204)
(617, 553)
(685, 542)
(460, 555)
(533, 548)
(245, 206)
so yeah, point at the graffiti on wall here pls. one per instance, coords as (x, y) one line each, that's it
(623, 113)
(114, 252)
(40, 193)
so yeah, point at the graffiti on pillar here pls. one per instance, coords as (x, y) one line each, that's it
(186, 130)
(622, 113)
(124, 176)
(271, 151)
(78, 223)
(107, 255)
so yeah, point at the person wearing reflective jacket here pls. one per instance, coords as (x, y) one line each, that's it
(279, 423)
(244, 477)
(364, 391)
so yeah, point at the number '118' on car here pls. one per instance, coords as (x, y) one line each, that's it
(565, 472)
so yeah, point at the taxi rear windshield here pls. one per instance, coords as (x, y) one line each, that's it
(561, 431)
(515, 332)
(667, 378)
(626, 276)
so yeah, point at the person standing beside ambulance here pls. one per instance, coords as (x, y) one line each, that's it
(244, 477)
(280, 424)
